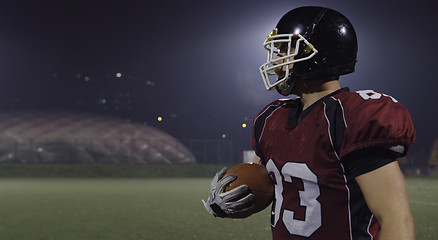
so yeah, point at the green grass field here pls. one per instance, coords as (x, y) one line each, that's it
(147, 208)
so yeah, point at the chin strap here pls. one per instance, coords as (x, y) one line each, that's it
(285, 88)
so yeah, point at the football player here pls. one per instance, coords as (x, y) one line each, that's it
(332, 153)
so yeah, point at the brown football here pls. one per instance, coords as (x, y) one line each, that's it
(257, 178)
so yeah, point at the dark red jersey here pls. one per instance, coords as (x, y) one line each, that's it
(315, 198)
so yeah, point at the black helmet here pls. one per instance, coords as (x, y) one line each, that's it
(320, 43)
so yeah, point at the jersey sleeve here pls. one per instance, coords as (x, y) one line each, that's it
(376, 120)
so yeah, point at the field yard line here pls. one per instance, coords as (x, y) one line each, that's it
(424, 203)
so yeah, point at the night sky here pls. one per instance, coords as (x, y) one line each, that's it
(195, 63)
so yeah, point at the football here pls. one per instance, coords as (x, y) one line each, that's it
(257, 178)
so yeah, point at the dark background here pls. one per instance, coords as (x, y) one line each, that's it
(195, 63)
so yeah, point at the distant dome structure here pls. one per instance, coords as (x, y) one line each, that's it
(73, 137)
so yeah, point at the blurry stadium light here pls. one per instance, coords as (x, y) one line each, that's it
(244, 125)
(150, 83)
(119, 75)
(159, 119)
(224, 136)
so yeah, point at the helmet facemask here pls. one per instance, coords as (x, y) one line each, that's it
(283, 51)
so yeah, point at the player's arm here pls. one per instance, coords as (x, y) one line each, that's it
(385, 192)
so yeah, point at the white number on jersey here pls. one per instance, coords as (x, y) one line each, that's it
(370, 94)
(308, 198)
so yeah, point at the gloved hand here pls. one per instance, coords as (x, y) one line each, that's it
(226, 204)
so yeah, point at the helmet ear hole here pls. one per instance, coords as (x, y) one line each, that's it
(320, 60)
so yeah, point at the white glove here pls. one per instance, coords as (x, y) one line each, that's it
(223, 204)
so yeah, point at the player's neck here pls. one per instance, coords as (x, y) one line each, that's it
(313, 91)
